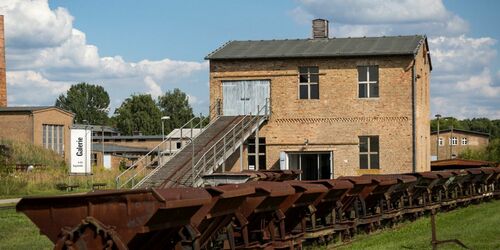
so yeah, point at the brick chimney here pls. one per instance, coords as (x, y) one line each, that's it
(320, 28)
(3, 77)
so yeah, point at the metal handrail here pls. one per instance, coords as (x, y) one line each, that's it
(214, 148)
(179, 150)
(159, 154)
(146, 156)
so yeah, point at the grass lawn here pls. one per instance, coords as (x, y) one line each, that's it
(477, 226)
(18, 232)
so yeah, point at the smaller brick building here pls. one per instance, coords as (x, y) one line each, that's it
(46, 126)
(454, 141)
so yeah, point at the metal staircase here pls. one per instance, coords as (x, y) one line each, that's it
(207, 152)
(159, 155)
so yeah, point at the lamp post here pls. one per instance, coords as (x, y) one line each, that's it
(163, 118)
(437, 138)
(160, 153)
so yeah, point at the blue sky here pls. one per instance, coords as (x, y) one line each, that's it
(154, 46)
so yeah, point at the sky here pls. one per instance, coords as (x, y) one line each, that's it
(131, 47)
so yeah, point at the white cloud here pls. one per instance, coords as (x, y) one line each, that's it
(154, 89)
(192, 99)
(31, 19)
(22, 83)
(45, 51)
(386, 16)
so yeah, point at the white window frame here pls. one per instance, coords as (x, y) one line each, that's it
(440, 141)
(453, 141)
(368, 82)
(465, 141)
(308, 83)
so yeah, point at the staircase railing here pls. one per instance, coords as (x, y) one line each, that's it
(155, 159)
(229, 143)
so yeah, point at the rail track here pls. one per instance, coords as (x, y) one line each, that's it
(268, 212)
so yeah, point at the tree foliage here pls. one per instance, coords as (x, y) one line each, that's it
(175, 104)
(483, 125)
(138, 113)
(89, 102)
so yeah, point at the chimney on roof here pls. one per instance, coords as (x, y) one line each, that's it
(320, 28)
(3, 78)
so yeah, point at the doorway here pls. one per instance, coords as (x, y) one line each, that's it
(244, 97)
(314, 165)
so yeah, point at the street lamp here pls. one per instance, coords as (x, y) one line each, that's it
(437, 138)
(163, 118)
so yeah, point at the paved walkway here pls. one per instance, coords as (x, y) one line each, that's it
(8, 201)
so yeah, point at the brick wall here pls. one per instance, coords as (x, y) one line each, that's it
(3, 80)
(53, 116)
(338, 117)
(474, 142)
(16, 126)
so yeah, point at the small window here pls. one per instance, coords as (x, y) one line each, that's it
(453, 141)
(308, 83)
(464, 141)
(368, 82)
(178, 145)
(369, 152)
(252, 153)
(441, 141)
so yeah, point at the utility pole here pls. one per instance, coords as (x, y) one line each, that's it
(437, 138)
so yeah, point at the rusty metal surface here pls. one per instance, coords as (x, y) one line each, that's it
(272, 214)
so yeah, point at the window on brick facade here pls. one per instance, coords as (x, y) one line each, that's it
(441, 141)
(369, 152)
(252, 153)
(308, 83)
(53, 138)
(464, 141)
(368, 81)
(453, 141)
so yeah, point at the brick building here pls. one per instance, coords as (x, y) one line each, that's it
(454, 141)
(338, 106)
(3, 78)
(46, 126)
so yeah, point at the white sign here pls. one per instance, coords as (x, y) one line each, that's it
(81, 140)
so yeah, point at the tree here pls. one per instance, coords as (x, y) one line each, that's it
(88, 102)
(446, 123)
(490, 153)
(176, 105)
(138, 113)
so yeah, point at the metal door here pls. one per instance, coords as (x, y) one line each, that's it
(244, 97)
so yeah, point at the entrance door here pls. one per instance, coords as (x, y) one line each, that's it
(244, 97)
(314, 165)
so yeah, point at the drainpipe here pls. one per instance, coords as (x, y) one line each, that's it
(414, 115)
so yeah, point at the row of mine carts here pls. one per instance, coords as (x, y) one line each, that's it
(270, 211)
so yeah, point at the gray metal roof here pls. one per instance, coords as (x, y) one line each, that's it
(331, 47)
(24, 108)
(461, 130)
(112, 148)
(31, 109)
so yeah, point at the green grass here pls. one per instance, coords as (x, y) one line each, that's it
(18, 232)
(477, 226)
